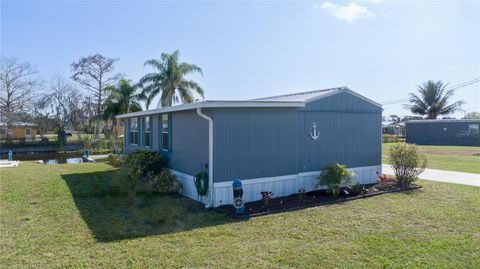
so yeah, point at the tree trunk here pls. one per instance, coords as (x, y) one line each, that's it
(8, 124)
(78, 134)
(99, 110)
(97, 121)
(115, 136)
(8, 137)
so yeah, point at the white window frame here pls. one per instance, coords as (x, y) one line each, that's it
(473, 128)
(168, 132)
(134, 133)
(148, 129)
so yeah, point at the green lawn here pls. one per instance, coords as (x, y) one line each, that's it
(81, 215)
(453, 158)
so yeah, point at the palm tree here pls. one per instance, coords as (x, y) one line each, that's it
(432, 100)
(122, 99)
(169, 80)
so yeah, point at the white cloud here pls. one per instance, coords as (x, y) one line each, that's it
(373, 1)
(349, 13)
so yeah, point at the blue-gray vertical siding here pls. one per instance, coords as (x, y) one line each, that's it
(442, 133)
(265, 142)
(188, 138)
(189, 152)
(342, 102)
(255, 142)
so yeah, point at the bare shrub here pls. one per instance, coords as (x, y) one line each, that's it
(406, 163)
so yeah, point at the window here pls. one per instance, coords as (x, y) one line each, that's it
(146, 123)
(133, 131)
(27, 131)
(165, 132)
(473, 129)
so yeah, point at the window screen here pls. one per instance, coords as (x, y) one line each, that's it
(134, 131)
(165, 132)
(146, 123)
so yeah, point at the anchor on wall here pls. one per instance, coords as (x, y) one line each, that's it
(314, 134)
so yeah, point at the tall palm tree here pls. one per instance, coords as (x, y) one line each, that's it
(432, 100)
(169, 80)
(122, 99)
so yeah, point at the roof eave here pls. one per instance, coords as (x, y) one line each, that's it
(214, 104)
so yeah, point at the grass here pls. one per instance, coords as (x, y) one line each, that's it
(83, 215)
(389, 138)
(453, 158)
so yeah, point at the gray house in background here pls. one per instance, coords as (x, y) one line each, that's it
(443, 132)
(276, 144)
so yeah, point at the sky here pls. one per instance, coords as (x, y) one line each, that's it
(252, 49)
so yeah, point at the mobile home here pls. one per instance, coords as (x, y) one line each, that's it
(18, 131)
(443, 132)
(276, 144)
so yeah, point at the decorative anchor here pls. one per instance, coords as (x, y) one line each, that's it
(315, 134)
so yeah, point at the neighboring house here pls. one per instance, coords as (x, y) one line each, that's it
(18, 131)
(392, 129)
(276, 144)
(443, 132)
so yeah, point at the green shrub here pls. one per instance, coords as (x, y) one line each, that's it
(142, 163)
(335, 177)
(166, 183)
(407, 163)
(115, 160)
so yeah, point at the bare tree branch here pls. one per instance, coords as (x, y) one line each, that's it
(17, 84)
(94, 73)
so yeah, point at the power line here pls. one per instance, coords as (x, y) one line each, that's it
(461, 85)
(395, 101)
(458, 86)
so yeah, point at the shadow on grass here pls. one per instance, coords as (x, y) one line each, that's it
(113, 210)
(413, 192)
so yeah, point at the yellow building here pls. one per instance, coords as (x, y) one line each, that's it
(18, 131)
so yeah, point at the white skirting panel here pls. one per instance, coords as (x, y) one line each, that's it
(284, 185)
(188, 187)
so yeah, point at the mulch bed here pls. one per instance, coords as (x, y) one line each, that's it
(311, 199)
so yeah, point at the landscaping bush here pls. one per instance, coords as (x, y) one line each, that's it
(406, 163)
(115, 160)
(141, 164)
(166, 183)
(149, 168)
(335, 177)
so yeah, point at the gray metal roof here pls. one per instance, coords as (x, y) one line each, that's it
(287, 100)
(444, 121)
(18, 124)
(302, 96)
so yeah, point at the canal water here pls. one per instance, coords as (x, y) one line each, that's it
(47, 157)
